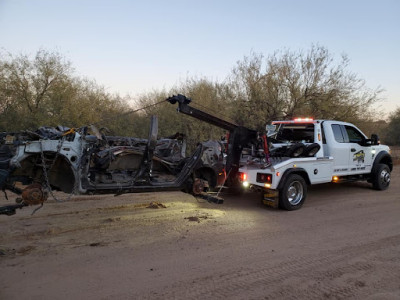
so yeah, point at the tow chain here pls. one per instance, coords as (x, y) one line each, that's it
(45, 169)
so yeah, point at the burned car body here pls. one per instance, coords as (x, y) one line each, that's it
(76, 162)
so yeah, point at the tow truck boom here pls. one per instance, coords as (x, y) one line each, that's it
(239, 136)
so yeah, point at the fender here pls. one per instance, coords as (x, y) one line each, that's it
(299, 171)
(383, 157)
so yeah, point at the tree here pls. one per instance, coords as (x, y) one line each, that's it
(26, 86)
(392, 136)
(288, 84)
(43, 91)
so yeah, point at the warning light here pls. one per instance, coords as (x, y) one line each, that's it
(278, 174)
(242, 177)
(335, 179)
(303, 119)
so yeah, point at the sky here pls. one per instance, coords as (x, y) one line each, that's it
(133, 47)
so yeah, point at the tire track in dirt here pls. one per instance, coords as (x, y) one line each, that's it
(298, 277)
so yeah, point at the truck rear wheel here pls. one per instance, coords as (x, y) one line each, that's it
(293, 193)
(380, 177)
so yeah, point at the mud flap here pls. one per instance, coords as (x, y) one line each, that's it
(270, 198)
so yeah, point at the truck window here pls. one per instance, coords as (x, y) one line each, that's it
(337, 132)
(296, 133)
(354, 135)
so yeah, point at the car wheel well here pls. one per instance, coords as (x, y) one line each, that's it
(61, 176)
(297, 171)
(386, 160)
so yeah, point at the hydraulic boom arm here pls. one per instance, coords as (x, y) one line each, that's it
(239, 136)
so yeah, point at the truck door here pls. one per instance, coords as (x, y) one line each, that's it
(339, 149)
(360, 155)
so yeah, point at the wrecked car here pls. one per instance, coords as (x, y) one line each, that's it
(77, 162)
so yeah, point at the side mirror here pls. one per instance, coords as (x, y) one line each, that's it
(375, 139)
(366, 142)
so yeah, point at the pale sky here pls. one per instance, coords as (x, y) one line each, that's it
(132, 47)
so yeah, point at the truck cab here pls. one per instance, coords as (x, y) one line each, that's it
(306, 151)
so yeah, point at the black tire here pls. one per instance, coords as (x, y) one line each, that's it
(293, 193)
(380, 177)
(312, 149)
(295, 150)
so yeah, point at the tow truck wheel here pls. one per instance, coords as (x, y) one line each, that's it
(381, 177)
(293, 193)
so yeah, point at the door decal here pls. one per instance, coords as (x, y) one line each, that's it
(359, 156)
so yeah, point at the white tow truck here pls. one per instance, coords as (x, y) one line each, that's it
(306, 151)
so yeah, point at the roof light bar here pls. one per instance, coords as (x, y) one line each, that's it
(303, 119)
(296, 120)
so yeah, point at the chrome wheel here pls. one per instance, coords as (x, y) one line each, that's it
(385, 177)
(295, 193)
(380, 177)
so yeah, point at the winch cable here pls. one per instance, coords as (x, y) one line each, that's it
(119, 116)
(127, 113)
(153, 105)
(222, 185)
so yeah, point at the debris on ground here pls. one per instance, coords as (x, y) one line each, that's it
(155, 204)
(97, 244)
(211, 198)
(196, 218)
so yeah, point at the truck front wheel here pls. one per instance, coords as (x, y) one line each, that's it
(293, 193)
(380, 177)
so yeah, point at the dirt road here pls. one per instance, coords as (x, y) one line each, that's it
(343, 244)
